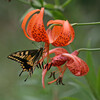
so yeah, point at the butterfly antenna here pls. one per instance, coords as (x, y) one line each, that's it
(21, 73)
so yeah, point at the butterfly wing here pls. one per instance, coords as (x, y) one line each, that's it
(21, 56)
(27, 58)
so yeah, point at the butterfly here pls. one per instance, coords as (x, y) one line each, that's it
(28, 59)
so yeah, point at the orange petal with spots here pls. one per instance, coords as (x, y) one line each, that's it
(54, 33)
(30, 24)
(72, 35)
(76, 65)
(66, 35)
(25, 21)
(38, 30)
(58, 60)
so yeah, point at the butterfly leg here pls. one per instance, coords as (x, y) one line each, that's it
(21, 73)
(26, 78)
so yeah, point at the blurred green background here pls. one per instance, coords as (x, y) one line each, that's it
(12, 39)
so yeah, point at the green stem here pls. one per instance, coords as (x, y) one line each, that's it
(83, 24)
(88, 49)
(65, 3)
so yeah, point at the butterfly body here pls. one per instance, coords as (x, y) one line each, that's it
(28, 59)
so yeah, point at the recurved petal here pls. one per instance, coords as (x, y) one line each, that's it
(38, 30)
(72, 34)
(58, 51)
(30, 24)
(55, 22)
(25, 21)
(66, 35)
(76, 65)
(54, 33)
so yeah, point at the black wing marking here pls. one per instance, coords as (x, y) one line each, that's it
(28, 59)
(20, 55)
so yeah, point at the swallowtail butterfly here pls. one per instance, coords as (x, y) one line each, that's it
(28, 59)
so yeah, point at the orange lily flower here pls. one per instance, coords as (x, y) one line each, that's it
(76, 65)
(35, 28)
(59, 35)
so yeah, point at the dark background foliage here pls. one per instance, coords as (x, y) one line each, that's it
(12, 39)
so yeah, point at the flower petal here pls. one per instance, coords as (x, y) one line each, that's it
(72, 34)
(58, 60)
(30, 24)
(25, 21)
(76, 65)
(55, 22)
(65, 34)
(56, 51)
(38, 30)
(54, 33)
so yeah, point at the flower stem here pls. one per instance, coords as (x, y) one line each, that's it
(83, 24)
(88, 49)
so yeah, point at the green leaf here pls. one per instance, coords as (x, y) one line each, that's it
(66, 3)
(50, 6)
(82, 87)
(41, 1)
(36, 3)
(98, 83)
(69, 98)
(91, 76)
(58, 15)
(48, 13)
